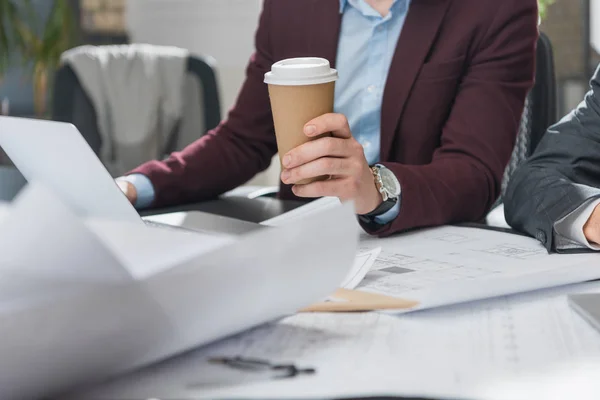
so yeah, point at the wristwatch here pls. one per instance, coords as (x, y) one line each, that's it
(389, 187)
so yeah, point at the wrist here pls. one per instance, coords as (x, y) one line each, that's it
(387, 191)
(376, 199)
(591, 229)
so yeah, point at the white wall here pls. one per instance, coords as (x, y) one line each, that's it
(223, 29)
(595, 24)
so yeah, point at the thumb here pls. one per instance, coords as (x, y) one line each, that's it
(591, 229)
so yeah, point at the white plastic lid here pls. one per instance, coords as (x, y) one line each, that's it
(301, 71)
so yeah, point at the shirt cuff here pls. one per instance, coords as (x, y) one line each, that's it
(143, 187)
(569, 230)
(389, 215)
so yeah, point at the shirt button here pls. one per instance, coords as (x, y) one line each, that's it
(541, 236)
(371, 88)
(365, 143)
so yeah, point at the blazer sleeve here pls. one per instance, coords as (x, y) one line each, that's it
(464, 177)
(235, 151)
(563, 173)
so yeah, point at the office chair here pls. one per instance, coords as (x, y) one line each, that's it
(71, 104)
(540, 112)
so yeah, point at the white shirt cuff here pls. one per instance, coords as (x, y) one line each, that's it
(569, 229)
(143, 187)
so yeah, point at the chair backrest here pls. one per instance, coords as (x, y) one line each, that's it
(540, 110)
(202, 110)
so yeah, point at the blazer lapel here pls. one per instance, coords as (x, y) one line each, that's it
(324, 26)
(418, 34)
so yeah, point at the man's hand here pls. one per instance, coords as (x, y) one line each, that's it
(128, 189)
(591, 229)
(340, 156)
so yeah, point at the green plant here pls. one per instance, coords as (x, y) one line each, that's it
(543, 7)
(10, 40)
(44, 47)
(39, 41)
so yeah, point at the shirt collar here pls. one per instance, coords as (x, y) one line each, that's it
(344, 4)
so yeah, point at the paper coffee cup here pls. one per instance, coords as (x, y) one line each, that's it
(300, 90)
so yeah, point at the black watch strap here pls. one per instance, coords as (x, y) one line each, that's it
(382, 209)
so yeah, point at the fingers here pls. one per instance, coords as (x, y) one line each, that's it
(591, 228)
(323, 147)
(592, 234)
(345, 189)
(337, 124)
(320, 167)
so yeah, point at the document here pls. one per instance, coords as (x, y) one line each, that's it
(105, 309)
(462, 351)
(42, 240)
(364, 258)
(4, 210)
(298, 214)
(362, 265)
(449, 265)
(69, 310)
(145, 250)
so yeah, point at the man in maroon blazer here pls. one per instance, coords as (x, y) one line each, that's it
(430, 94)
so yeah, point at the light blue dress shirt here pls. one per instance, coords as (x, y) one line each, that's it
(365, 49)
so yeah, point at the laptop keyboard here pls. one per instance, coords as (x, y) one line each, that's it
(161, 225)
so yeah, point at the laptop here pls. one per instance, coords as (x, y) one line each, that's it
(57, 155)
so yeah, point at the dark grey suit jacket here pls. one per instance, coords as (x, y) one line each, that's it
(562, 174)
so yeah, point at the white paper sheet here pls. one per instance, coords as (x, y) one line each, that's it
(44, 242)
(364, 259)
(576, 380)
(362, 265)
(4, 210)
(455, 352)
(146, 250)
(266, 275)
(300, 213)
(107, 322)
(451, 265)
(77, 337)
(69, 310)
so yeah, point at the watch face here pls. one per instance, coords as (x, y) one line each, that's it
(390, 182)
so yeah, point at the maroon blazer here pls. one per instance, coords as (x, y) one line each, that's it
(451, 106)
